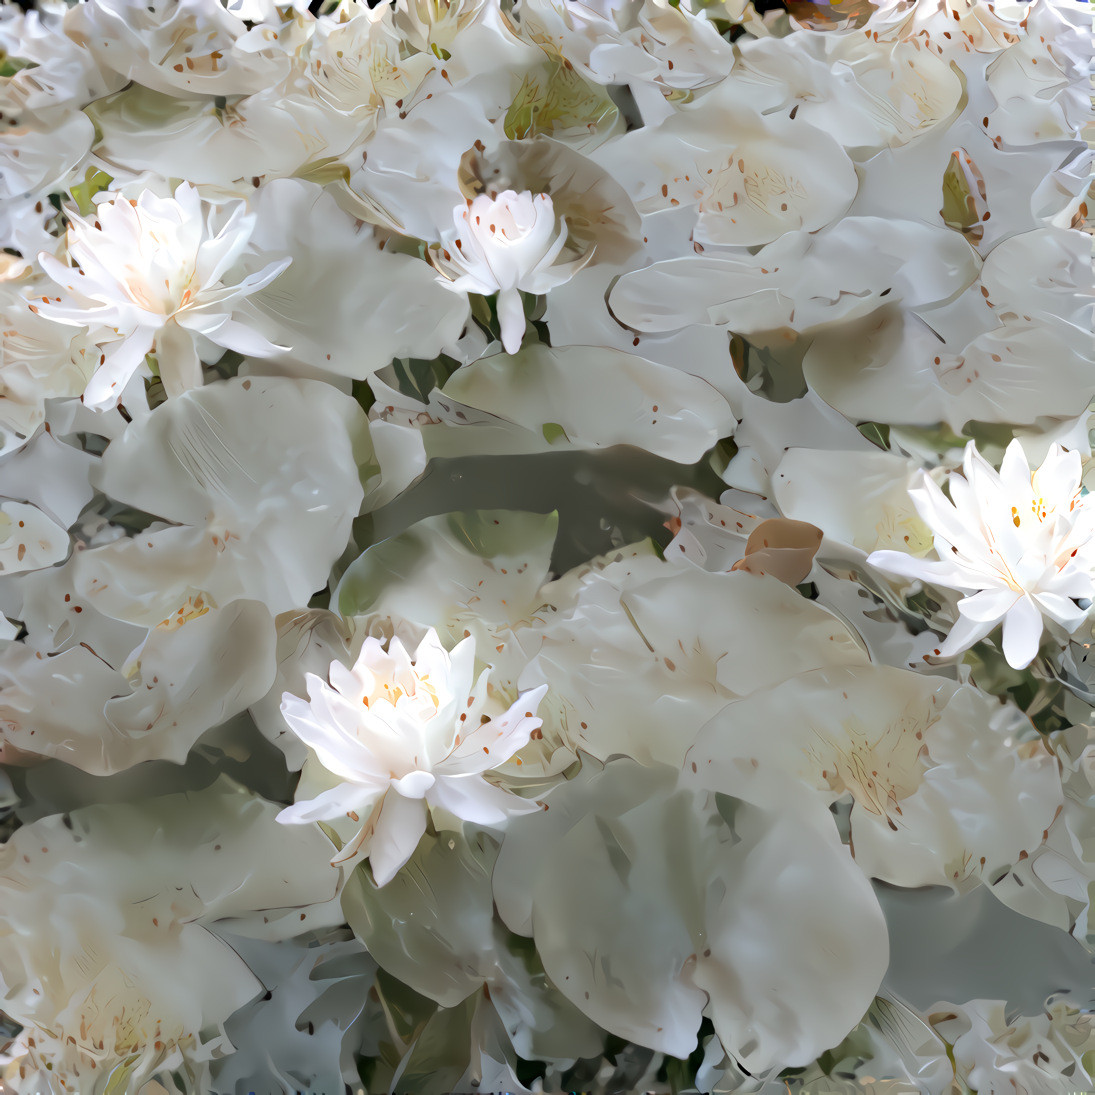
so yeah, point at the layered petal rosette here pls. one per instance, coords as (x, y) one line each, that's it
(154, 275)
(507, 244)
(1019, 544)
(400, 734)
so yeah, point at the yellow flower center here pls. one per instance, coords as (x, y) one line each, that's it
(878, 769)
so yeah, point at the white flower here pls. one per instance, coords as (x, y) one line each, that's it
(355, 65)
(404, 733)
(38, 361)
(503, 245)
(940, 793)
(1021, 545)
(995, 1050)
(110, 954)
(153, 276)
(182, 47)
(750, 177)
(648, 44)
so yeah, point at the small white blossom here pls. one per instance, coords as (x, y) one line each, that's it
(506, 244)
(404, 733)
(1020, 545)
(155, 275)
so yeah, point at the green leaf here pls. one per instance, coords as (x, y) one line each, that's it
(9, 65)
(410, 925)
(441, 1053)
(416, 377)
(721, 455)
(431, 558)
(366, 578)
(878, 433)
(484, 311)
(82, 193)
(364, 395)
(989, 435)
(407, 1011)
(553, 431)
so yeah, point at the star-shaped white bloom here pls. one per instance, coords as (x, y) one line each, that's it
(506, 244)
(1020, 545)
(155, 275)
(403, 734)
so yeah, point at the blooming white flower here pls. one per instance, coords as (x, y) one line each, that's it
(403, 733)
(504, 244)
(153, 275)
(1021, 545)
(355, 64)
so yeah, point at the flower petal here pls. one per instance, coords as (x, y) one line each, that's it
(1022, 633)
(398, 828)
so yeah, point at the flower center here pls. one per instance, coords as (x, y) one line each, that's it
(194, 606)
(417, 689)
(877, 770)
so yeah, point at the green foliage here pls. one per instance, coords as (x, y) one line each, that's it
(82, 193)
(9, 65)
(552, 431)
(878, 433)
(416, 378)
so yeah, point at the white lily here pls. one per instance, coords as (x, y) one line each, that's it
(153, 275)
(402, 734)
(1020, 545)
(505, 244)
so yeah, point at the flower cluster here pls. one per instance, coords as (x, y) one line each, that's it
(737, 684)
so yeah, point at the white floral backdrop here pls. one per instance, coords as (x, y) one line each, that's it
(546, 546)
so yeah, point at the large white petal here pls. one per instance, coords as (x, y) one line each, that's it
(398, 828)
(757, 919)
(267, 467)
(804, 280)
(646, 652)
(591, 397)
(1022, 633)
(344, 306)
(472, 798)
(29, 539)
(858, 499)
(769, 174)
